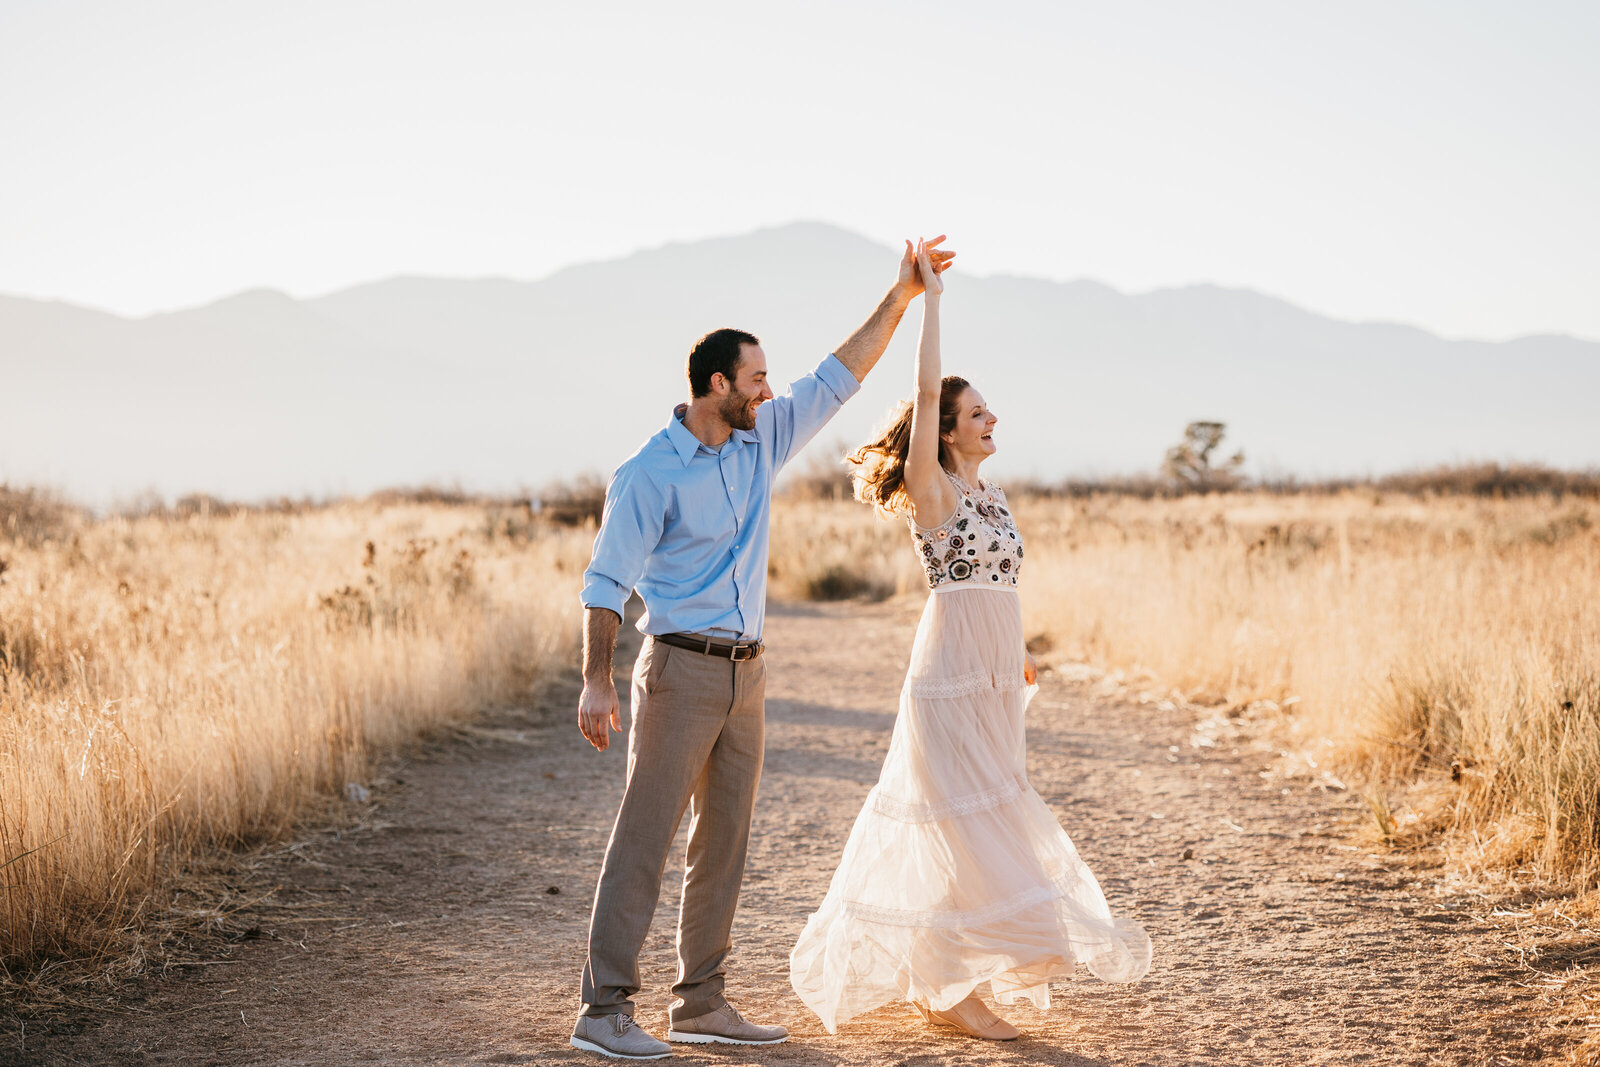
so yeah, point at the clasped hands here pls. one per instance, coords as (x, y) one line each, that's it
(921, 266)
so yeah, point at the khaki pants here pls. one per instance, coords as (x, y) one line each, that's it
(696, 743)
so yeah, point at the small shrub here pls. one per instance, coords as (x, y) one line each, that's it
(841, 581)
(822, 476)
(32, 516)
(576, 503)
(1194, 464)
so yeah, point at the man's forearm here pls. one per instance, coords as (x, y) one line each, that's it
(861, 352)
(600, 626)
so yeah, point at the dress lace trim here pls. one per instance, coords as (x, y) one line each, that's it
(960, 587)
(1063, 885)
(961, 685)
(904, 811)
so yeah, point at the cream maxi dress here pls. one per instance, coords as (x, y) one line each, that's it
(956, 873)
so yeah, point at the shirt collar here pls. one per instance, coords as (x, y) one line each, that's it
(686, 444)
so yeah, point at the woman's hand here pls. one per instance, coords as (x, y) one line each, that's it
(1030, 670)
(927, 269)
(911, 279)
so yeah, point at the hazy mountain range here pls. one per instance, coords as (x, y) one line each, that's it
(495, 384)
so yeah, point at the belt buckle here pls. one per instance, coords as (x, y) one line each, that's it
(739, 653)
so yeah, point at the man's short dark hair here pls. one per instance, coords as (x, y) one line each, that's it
(716, 353)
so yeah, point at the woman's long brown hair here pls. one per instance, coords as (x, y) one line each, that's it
(880, 464)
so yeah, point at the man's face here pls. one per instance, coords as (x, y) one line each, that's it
(747, 391)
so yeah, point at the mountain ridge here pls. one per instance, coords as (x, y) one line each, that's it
(495, 382)
(783, 229)
(502, 280)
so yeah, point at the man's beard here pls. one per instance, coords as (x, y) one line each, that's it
(737, 412)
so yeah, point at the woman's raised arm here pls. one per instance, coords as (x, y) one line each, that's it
(932, 496)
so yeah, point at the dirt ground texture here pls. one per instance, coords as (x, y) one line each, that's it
(448, 926)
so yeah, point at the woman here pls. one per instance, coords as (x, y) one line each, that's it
(956, 873)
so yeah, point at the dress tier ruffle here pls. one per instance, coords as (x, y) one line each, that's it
(956, 873)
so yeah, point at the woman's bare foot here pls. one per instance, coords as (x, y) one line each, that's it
(974, 1017)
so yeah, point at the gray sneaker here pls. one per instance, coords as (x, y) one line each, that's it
(725, 1026)
(617, 1036)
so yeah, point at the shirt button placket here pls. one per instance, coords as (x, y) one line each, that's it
(738, 572)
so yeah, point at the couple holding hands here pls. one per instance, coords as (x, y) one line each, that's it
(955, 875)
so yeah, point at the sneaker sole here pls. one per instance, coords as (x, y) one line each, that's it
(717, 1039)
(590, 1046)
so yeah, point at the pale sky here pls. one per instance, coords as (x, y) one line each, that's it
(1433, 163)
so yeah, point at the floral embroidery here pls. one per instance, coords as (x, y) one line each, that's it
(954, 552)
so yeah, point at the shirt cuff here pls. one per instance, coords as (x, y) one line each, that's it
(837, 377)
(601, 592)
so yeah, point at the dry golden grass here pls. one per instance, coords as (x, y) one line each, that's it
(1442, 653)
(172, 684)
(169, 685)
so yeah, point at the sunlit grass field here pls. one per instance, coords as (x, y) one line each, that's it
(1443, 654)
(175, 684)
(169, 685)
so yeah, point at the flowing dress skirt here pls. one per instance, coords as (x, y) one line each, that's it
(956, 873)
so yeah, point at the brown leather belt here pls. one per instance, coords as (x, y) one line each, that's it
(704, 645)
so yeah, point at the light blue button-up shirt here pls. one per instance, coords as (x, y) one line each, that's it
(687, 526)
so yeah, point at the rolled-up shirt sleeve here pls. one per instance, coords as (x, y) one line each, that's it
(630, 528)
(807, 407)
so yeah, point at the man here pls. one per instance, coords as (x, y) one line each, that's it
(685, 524)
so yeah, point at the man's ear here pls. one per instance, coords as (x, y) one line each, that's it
(720, 383)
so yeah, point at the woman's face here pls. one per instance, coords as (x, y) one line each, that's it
(972, 436)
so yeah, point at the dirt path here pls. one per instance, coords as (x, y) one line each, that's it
(449, 927)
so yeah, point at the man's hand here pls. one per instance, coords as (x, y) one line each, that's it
(598, 705)
(598, 708)
(910, 280)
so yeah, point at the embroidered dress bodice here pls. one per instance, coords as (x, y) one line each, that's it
(978, 545)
